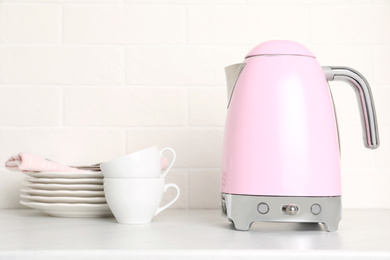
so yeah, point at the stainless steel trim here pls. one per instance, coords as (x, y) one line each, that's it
(232, 73)
(242, 210)
(365, 99)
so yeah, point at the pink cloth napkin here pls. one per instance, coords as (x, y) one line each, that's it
(26, 162)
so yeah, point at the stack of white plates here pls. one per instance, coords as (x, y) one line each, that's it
(66, 194)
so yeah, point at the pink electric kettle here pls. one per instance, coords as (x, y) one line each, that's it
(281, 156)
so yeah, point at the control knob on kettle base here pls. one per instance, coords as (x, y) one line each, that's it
(281, 157)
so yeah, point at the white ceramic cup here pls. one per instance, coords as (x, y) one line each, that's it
(137, 201)
(142, 164)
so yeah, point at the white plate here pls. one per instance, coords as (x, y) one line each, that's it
(89, 200)
(66, 193)
(86, 174)
(71, 210)
(51, 186)
(66, 180)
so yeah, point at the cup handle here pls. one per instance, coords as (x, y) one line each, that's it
(167, 186)
(164, 173)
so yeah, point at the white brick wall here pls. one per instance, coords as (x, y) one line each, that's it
(120, 24)
(61, 65)
(124, 106)
(85, 81)
(347, 24)
(19, 24)
(229, 25)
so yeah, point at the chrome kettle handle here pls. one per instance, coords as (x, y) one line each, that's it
(365, 100)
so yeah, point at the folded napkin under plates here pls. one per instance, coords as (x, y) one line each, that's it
(26, 162)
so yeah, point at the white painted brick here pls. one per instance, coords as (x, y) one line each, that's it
(204, 189)
(194, 147)
(68, 146)
(381, 61)
(207, 106)
(29, 23)
(177, 65)
(119, 106)
(382, 154)
(61, 65)
(350, 24)
(129, 24)
(65, 1)
(186, 1)
(382, 105)
(29, 106)
(353, 151)
(379, 1)
(184, 105)
(10, 184)
(180, 178)
(247, 24)
(316, 2)
(365, 188)
(356, 57)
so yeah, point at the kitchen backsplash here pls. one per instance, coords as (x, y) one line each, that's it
(89, 80)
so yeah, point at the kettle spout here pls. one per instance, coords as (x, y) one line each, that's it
(232, 73)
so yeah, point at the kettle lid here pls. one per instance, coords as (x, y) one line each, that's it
(280, 47)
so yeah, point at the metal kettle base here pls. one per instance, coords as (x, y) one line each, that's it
(243, 210)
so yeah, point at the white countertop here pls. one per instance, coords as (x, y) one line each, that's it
(190, 234)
